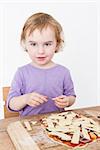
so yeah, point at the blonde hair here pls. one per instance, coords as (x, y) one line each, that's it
(40, 21)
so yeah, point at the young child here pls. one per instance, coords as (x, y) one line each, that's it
(41, 86)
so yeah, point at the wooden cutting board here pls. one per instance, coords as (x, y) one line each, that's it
(20, 137)
(36, 139)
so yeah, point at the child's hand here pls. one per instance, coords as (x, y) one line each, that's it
(34, 99)
(64, 101)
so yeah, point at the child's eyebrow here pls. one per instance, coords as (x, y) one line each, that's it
(43, 42)
(32, 41)
(48, 42)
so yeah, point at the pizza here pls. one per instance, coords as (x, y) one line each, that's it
(71, 129)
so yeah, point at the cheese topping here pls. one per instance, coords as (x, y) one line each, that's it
(70, 126)
(61, 135)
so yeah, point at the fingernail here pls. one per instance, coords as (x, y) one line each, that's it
(46, 100)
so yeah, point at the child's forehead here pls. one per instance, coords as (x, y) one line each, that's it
(41, 30)
(45, 32)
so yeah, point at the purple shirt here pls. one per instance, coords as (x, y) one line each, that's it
(51, 82)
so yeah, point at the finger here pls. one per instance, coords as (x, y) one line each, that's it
(59, 97)
(62, 104)
(63, 100)
(54, 99)
(59, 106)
(42, 97)
(34, 103)
(60, 100)
(38, 99)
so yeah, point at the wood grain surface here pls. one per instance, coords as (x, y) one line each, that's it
(38, 135)
(20, 137)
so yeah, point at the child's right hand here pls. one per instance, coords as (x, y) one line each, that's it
(34, 99)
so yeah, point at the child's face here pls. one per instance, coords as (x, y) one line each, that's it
(41, 46)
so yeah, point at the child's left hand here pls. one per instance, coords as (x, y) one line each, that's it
(63, 101)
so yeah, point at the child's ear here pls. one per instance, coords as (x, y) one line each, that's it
(57, 48)
(23, 45)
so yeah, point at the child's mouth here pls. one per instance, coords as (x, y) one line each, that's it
(41, 58)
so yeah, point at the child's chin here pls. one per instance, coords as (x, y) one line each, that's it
(41, 63)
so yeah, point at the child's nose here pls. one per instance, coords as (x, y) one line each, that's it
(41, 50)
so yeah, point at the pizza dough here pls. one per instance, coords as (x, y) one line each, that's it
(71, 129)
